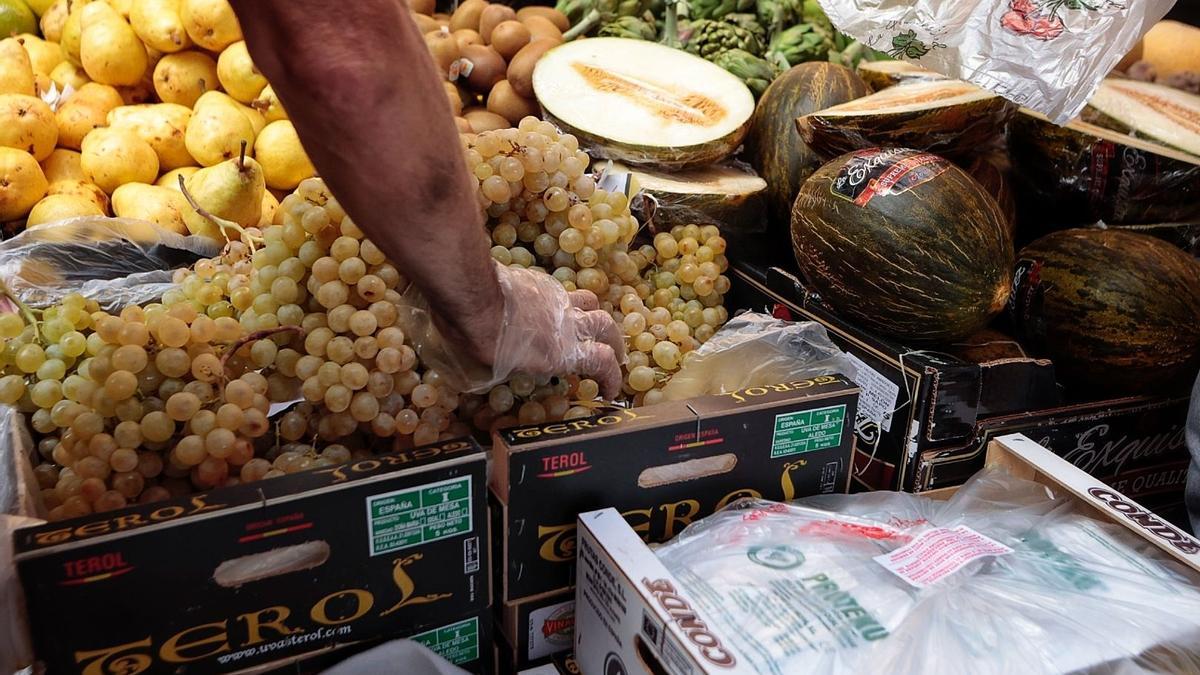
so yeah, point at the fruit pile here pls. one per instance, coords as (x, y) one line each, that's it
(122, 99)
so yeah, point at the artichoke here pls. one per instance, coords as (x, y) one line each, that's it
(800, 43)
(775, 14)
(750, 23)
(716, 9)
(708, 39)
(811, 12)
(755, 72)
(587, 15)
(630, 27)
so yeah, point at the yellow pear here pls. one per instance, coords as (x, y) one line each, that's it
(217, 129)
(283, 159)
(232, 190)
(42, 84)
(162, 125)
(109, 50)
(239, 76)
(210, 23)
(269, 206)
(123, 7)
(22, 183)
(62, 164)
(269, 105)
(83, 111)
(39, 7)
(52, 208)
(72, 32)
(16, 70)
(81, 188)
(43, 56)
(159, 205)
(158, 24)
(52, 21)
(67, 73)
(257, 121)
(183, 77)
(27, 123)
(170, 179)
(113, 157)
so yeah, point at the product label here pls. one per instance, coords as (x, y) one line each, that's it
(938, 553)
(457, 643)
(808, 430)
(551, 629)
(405, 518)
(891, 171)
(877, 402)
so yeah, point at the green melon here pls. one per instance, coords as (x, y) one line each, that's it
(774, 147)
(991, 170)
(903, 243)
(1117, 312)
(1163, 114)
(883, 74)
(726, 195)
(1081, 173)
(643, 103)
(949, 117)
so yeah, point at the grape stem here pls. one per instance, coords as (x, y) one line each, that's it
(25, 310)
(256, 336)
(220, 222)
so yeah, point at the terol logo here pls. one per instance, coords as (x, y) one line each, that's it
(565, 464)
(94, 568)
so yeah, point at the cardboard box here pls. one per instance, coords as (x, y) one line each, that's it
(663, 466)
(537, 629)
(633, 616)
(381, 547)
(1136, 445)
(913, 399)
(562, 664)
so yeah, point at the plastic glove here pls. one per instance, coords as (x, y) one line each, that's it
(397, 656)
(543, 331)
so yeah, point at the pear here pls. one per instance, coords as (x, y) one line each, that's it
(22, 183)
(158, 24)
(257, 121)
(123, 7)
(270, 205)
(217, 129)
(170, 179)
(283, 159)
(52, 21)
(162, 125)
(72, 32)
(231, 190)
(239, 76)
(27, 123)
(109, 49)
(211, 23)
(16, 71)
(83, 111)
(183, 77)
(52, 208)
(67, 73)
(159, 205)
(113, 157)
(81, 188)
(62, 164)
(269, 105)
(43, 56)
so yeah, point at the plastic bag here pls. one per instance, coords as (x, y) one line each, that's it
(1005, 577)
(1048, 55)
(116, 261)
(19, 503)
(756, 350)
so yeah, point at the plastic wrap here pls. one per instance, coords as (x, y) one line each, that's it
(116, 261)
(19, 503)
(1081, 173)
(1005, 577)
(756, 350)
(1048, 55)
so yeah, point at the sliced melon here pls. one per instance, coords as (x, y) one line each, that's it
(729, 196)
(883, 74)
(1164, 114)
(948, 117)
(643, 103)
(1081, 173)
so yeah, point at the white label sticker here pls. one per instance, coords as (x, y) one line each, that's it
(551, 629)
(879, 394)
(614, 181)
(935, 554)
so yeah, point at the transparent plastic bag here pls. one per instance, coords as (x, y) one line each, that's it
(1048, 55)
(116, 261)
(803, 588)
(19, 507)
(754, 350)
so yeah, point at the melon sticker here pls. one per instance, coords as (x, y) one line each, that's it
(885, 171)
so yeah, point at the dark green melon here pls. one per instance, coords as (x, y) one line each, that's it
(903, 243)
(1117, 312)
(1147, 110)
(949, 117)
(774, 147)
(991, 170)
(883, 74)
(730, 196)
(1081, 173)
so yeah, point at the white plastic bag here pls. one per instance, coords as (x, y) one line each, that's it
(1003, 578)
(1048, 55)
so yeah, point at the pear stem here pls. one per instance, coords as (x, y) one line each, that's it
(242, 157)
(221, 223)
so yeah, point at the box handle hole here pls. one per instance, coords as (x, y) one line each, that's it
(692, 469)
(257, 566)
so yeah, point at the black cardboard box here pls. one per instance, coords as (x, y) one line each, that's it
(662, 466)
(912, 399)
(381, 547)
(537, 629)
